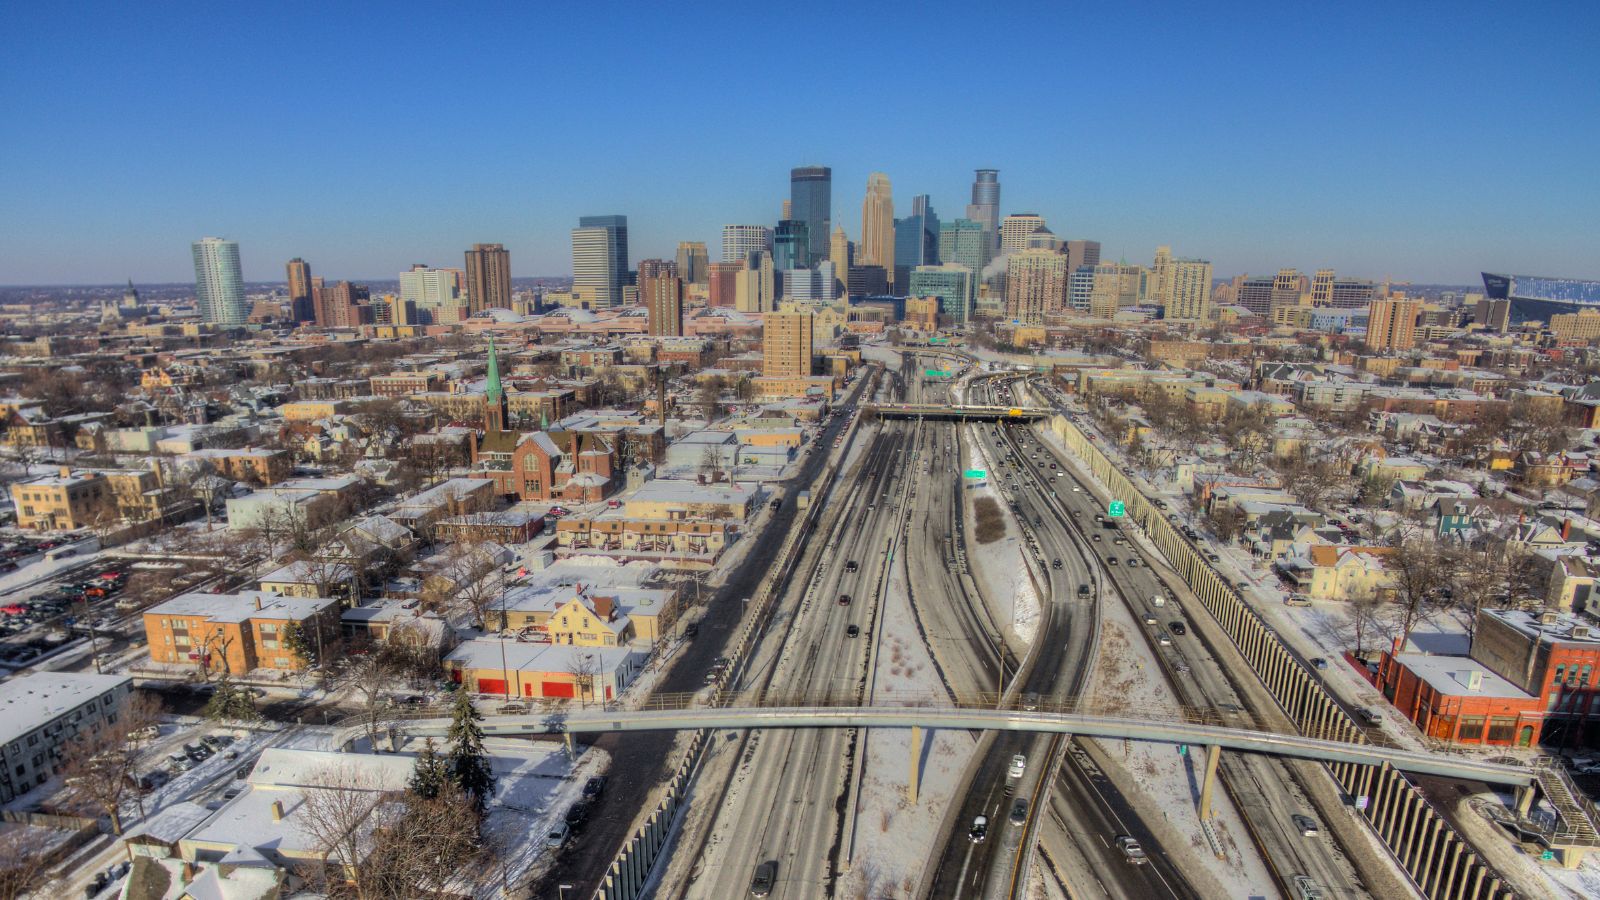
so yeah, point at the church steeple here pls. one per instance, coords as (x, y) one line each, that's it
(495, 394)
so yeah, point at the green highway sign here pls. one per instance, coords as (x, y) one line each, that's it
(1117, 510)
(975, 473)
(938, 340)
(938, 373)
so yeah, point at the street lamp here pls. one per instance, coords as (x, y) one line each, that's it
(563, 888)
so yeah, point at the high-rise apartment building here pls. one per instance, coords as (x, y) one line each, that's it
(488, 277)
(952, 284)
(1080, 288)
(1392, 324)
(600, 259)
(1105, 290)
(811, 202)
(791, 245)
(1036, 284)
(300, 308)
(722, 283)
(1081, 253)
(985, 206)
(916, 239)
(964, 242)
(786, 345)
(1161, 276)
(343, 305)
(432, 293)
(877, 224)
(738, 241)
(1255, 294)
(1322, 288)
(1015, 230)
(661, 292)
(1189, 291)
(692, 262)
(218, 283)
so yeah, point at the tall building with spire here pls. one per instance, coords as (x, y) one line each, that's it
(877, 224)
(985, 206)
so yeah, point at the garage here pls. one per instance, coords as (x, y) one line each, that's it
(559, 689)
(491, 685)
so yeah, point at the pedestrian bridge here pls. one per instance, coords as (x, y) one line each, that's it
(957, 413)
(1197, 728)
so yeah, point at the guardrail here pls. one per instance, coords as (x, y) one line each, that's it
(1441, 863)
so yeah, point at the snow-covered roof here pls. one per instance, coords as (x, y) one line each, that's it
(38, 698)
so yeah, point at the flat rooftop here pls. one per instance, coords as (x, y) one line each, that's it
(1451, 675)
(29, 701)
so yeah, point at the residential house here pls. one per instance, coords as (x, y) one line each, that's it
(238, 633)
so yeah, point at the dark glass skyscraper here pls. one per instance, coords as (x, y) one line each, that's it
(985, 206)
(791, 245)
(916, 240)
(811, 202)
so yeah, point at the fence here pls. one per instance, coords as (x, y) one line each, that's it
(1442, 864)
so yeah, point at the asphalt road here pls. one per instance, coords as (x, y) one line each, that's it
(639, 761)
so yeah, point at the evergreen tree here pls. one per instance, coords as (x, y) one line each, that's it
(430, 775)
(296, 642)
(230, 702)
(469, 764)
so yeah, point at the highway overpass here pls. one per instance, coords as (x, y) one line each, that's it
(1168, 731)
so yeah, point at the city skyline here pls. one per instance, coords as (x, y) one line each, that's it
(1404, 177)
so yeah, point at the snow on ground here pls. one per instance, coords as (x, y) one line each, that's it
(894, 839)
(1523, 869)
(535, 783)
(1156, 778)
(1000, 567)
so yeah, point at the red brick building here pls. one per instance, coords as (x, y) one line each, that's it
(1530, 678)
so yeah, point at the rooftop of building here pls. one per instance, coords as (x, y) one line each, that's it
(242, 607)
(37, 698)
(1550, 626)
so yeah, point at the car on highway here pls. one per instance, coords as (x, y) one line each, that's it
(1019, 764)
(1055, 563)
(1019, 811)
(1163, 638)
(1030, 701)
(1096, 537)
(1306, 825)
(851, 565)
(852, 631)
(763, 879)
(1131, 851)
(1319, 663)
(979, 829)
(1133, 562)
(1306, 889)
(1083, 590)
(1150, 620)
(1179, 628)
(1111, 560)
(844, 599)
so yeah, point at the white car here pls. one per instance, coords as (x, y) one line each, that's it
(1019, 764)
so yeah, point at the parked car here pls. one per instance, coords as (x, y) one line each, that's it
(594, 787)
(1318, 662)
(577, 814)
(557, 835)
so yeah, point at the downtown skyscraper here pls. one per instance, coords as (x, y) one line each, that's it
(299, 275)
(218, 284)
(877, 225)
(739, 241)
(985, 206)
(916, 239)
(811, 202)
(600, 260)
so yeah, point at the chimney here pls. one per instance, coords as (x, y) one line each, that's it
(1566, 528)
(258, 601)
(66, 471)
(277, 810)
(188, 871)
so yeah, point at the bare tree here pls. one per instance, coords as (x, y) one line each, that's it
(205, 486)
(584, 670)
(368, 676)
(1419, 572)
(478, 578)
(101, 764)
(24, 862)
(336, 813)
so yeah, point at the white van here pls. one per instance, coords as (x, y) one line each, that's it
(1158, 601)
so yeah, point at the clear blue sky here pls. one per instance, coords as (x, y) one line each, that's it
(1424, 141)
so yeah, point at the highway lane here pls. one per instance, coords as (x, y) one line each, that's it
(1059, 666)
(789, 810)
(1266, 791)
